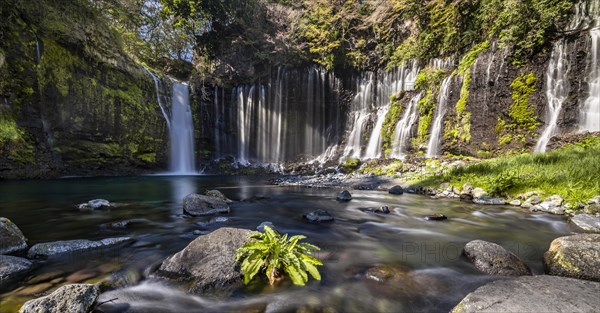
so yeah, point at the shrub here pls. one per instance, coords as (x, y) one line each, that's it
(273, 253)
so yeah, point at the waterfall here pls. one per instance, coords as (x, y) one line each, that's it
(404, 127)
(374, 146)
(182, 132)
(556, 91)
(433, 147)
(590, 115)
(359, 115)
(159, 97)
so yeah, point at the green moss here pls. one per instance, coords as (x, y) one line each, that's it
(148, 157)
(458, 128)
(377, 168)
(429, 82)
(469, 59)
(522, 120)
(389, 124)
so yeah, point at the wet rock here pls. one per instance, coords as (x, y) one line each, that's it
(12, 239)
(124, 224)
(51, 249)
(557, 200)
(466, 197)
(467, 189)
(364, 186)
(344, 196)
(576, 256)
(478, 193)
(381, 210)
(515, 203)
(587, 222)
(492, 259)
(218, 195)
(531, 201)
(384, 273)
(199, 205)
(208, 262)
(593, 208)
(435, 217)
(261, 227)
(96, 204)
(594, 200)
(396, 190)
(414, 190)
(489, 201)
(548, 207)
(533, 294)
(121, 279)
(318, 216)
(70, 298)
(12, 268)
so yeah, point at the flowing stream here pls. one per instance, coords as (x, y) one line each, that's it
(429, 253)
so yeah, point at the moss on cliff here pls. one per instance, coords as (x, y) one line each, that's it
(521, 123)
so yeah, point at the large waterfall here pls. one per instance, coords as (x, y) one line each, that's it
(556, 91)
(433, 147)
(588, 15)
(182, 132)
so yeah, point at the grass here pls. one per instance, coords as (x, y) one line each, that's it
(570, 171)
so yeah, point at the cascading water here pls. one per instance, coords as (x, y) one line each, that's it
(590, 115)
(359, 115)
(159, 97)
(182, 132)
(374, 146)
(433, 147)
(556, 91)
(404, 127)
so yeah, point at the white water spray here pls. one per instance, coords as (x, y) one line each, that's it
(182, 132)
(404, 127)
(433, 147)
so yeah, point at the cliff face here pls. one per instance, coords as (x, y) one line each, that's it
(71, 101)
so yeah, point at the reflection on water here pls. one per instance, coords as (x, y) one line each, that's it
(437, 276)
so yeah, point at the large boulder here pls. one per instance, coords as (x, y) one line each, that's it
(11, 237)
(12, 268)
(574, 256)
(75, 298)
(396, 190)
(533, 294)
(208, 262)
(587, 222)
(55, 248)
(492, 259)
(318, 216)
(199, 205)
(217, 194)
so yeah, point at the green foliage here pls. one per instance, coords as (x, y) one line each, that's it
(273, 254)
(379, 168)
(469, 59)
(389, 123)
(522, 120)
(458, 128)
(429, 82)
(564, 171)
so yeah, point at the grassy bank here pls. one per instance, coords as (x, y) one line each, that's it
(572, 171)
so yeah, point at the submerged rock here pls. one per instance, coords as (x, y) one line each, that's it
(548, 207)
(199, 205)
(261, 227)
(533, 294)
(218, 195)
(124, 224)
(493, 259)
(75, 298)
(344, 196)
(318, 216)
(489, 200)
(12, 268)
(55, 248)
(575, 256)
(587, 222)
(11, 238)
(435, 217)
(381, 210)
(95, 204)
(208, 262)
(396, 190)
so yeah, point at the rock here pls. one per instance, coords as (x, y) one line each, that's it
(533, 294)
(55, 248)
(575, 256)
(444, 186)
(557, 200)
(383, 273)
(11, 238)
(95, 204)
(531, 201)
(478, 193)
(121, 279)
(489, 201)
(466, 197)
(548, 207)
(587, 222)
(75, 298)
(466, 189)
(199, 205)
(593, 208)
(217, 194)
(344, 196)
(396, 190)
(515, 203)
(12, 268)
(491, 258)
(594, 200)
(381, 210)
(208, 262)
(318, 216)
(261, 227)
(124, 224)
(436, 217)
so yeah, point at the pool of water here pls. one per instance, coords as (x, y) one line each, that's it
(428, 253)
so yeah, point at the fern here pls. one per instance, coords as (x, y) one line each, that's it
(274, 254)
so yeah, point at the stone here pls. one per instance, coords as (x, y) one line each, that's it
(531, 201)
(261, 227)
(12, 239)
(381, 210)
(594, 200)
(208, 262)
(489, 201)
(466, 197)
(12, 268)
(515, 203)
(344, 195)
(217, 194)
(75, 298)
(587, 222)
(318, 216)
(383, 273)
(199, 205)
(478, 193)
(593, 208)
(493, 259)
(124, 224)
(466, 189)
(56, 248)
(396, 190)
(576, 256)
(541, 293)
(436, 217)
(548, 207)
(121, 279)
(557, 200)
(96, 204)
